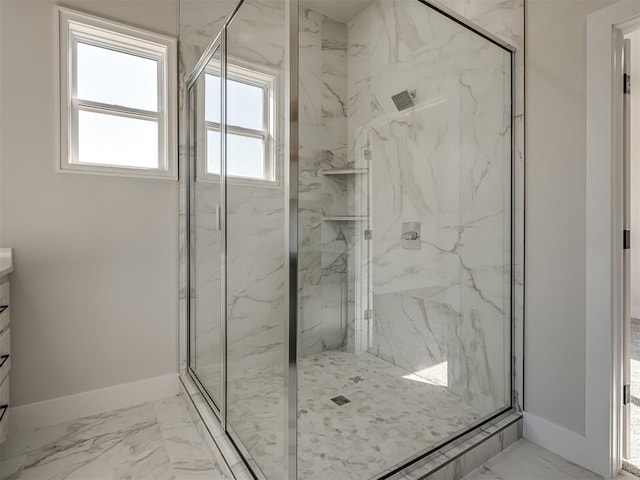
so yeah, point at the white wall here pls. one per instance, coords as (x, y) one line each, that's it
(635, 182)
(556, 209)
(94, 293)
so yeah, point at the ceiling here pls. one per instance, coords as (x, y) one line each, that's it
(342, 10)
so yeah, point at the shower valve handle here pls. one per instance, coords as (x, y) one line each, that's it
(410, 236)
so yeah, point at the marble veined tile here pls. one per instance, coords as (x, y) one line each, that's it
(443, 163)
(10, 469)
(16, 445)
(13, 454)
(155, 440)
(124, 444)
(391, 415)
(323, 246)
(527, 461)
(187, 452)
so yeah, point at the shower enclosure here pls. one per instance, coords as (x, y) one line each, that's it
(350, 233)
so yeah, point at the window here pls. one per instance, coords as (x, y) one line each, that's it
(249, 123)
(118, 99)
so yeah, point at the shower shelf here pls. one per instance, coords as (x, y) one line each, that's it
(344, 218)
(347, 171)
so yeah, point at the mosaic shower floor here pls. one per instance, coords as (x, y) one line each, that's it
(390, 416)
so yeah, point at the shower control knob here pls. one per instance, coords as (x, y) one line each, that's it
(410, 236)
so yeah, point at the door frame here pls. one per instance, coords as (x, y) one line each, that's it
(601, 447)
(626, 252)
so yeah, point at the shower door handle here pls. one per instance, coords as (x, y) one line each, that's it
(218, 218)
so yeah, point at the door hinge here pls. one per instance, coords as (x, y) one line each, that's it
(626, 240)
(368, 314)
(366, 153)
(368, 234)
(627, 84)
(626, 394)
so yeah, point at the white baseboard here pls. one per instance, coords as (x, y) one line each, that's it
(635, 311)
(50, 412)
(557, 439)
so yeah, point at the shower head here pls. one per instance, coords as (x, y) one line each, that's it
(404, 99)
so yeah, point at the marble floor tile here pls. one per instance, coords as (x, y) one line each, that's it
(391, 415)
(13, 454)
(122, 444)
(186, 449)
(16, 445)
(155, 441)
(11, 468)
(527, 461)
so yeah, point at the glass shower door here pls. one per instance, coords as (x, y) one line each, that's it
(206, 345)
(439, 151)
(405, 196)
(257, 314)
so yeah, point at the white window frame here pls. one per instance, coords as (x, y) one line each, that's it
(262, 78)
(75, 27)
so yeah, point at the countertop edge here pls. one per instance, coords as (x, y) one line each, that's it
(6, 261)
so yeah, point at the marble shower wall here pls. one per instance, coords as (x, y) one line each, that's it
(255, 213)
(255, 216)
(324, 246)
(505, 19)
(256, 280)
(445, 164)
(200, 22)
(205, 301)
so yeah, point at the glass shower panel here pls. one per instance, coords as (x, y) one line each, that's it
(206, 238)
(257, 314)
(404, 280)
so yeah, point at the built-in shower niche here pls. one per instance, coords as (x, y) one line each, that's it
(327, 293)
(326, 236)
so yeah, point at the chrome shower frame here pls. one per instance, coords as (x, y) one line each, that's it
(291, 240)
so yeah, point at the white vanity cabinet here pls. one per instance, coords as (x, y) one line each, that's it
(6, 267)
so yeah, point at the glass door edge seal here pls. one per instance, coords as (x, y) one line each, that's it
(203, 390)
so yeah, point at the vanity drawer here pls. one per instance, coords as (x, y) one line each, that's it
(4, 306)
(4, 410)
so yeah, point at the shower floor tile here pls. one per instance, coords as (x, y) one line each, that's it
(150, 441)
(390, 415)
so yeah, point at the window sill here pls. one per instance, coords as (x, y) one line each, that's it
(149, 174)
